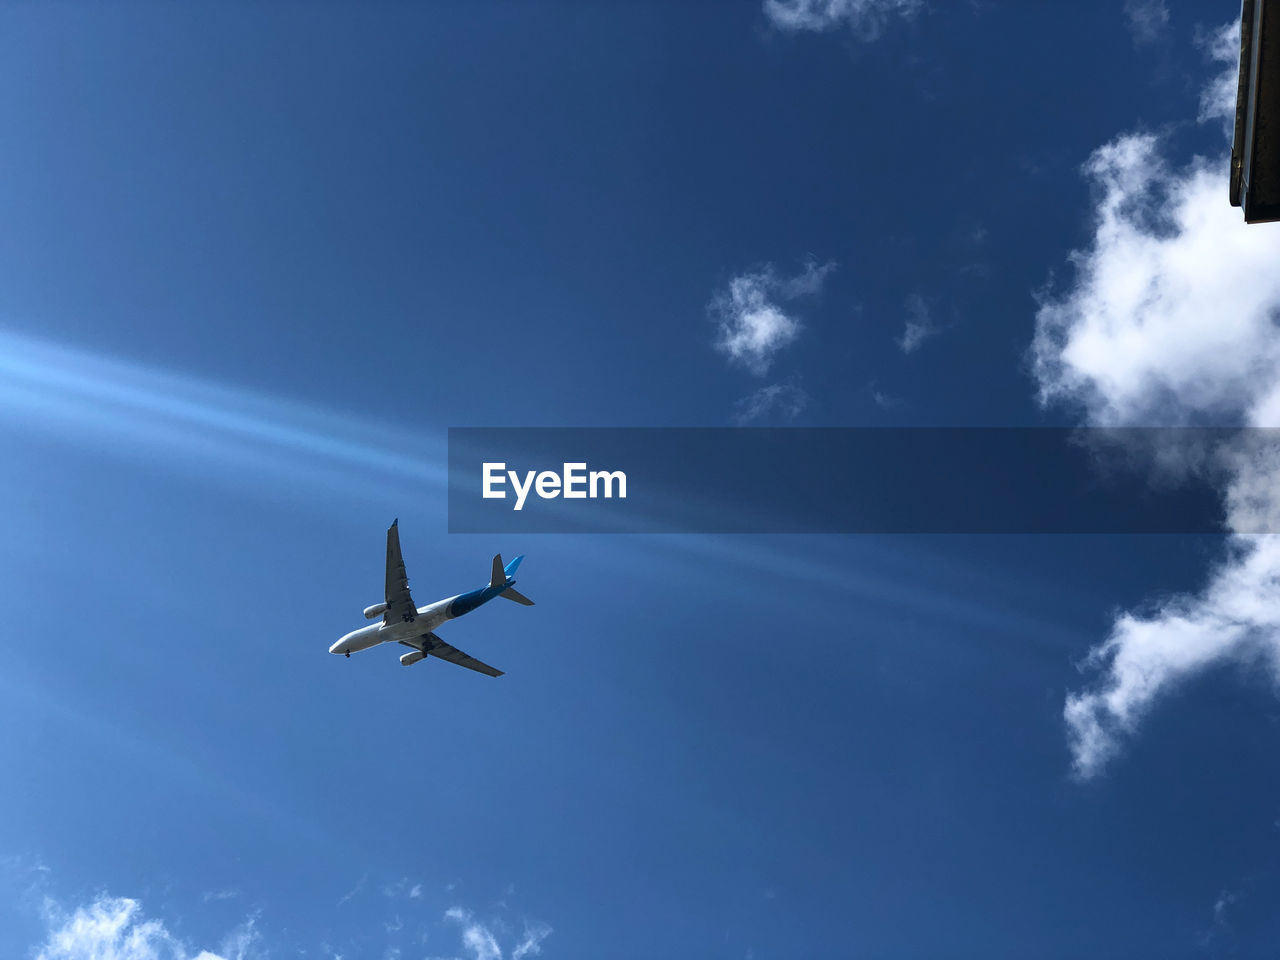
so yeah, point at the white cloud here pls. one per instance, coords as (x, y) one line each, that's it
(1236, 615)
(481, 942)
(354, 891)
(116, 928)
(1225, 899)
(113, 928)
(228, 894)
(403, 887)
(752, 326)
(1172, 320)
(476, 937)
(531, 944)
(780, 401)
(1147, 19)
(241, 944)
(1218, 100)
(881, 399)
(920, 326)
(863, 16)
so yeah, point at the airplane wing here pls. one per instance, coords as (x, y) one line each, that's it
(400, 606)
(454, 655)
(430, 644)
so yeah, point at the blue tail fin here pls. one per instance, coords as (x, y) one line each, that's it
(514, 565)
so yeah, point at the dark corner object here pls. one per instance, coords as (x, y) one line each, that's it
(1255, 148)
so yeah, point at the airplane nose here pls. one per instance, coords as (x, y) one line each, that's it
(337, 647)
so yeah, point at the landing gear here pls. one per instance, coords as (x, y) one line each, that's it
(348, 654)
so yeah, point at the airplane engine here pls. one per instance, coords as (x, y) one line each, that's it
(377, 610)
(409, 659)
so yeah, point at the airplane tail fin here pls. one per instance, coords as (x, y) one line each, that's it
(502, 576)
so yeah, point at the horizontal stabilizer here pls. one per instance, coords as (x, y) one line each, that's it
(499, 576)
(511, 593)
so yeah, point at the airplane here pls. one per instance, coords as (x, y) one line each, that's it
(412, 626)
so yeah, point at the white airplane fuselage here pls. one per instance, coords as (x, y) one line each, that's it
(428, 618)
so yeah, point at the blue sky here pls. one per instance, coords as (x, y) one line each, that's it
(255, 260)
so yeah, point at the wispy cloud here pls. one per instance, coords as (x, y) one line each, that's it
(1172, 320)
(28, 874)
(530, 944)
(354, 891)
(227, 894)
(1148, 19)
(752, 323)
(1218, 99)
(476, 937)
(1225, 899)
(920, 325)
(115, 928)
(243, 942)
(864, 17)
(1219, 933)
(881, 399)
(403, 887)
(480, 940)
(778, 402)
